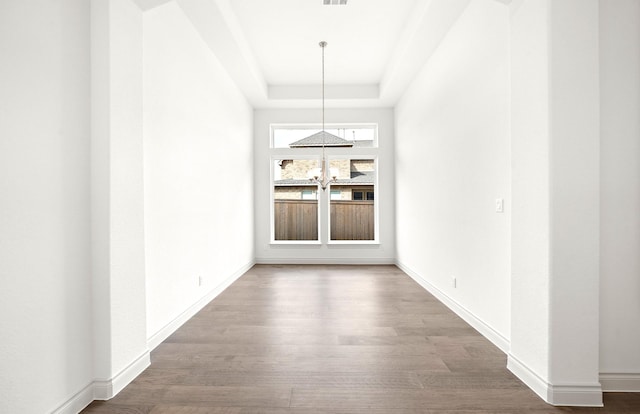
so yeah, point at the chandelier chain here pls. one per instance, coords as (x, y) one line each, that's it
(322, 179)
(323, 44)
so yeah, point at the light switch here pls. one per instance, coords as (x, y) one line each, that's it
(499, 205)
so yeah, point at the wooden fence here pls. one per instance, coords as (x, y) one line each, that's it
(298, 220)
(352, 220)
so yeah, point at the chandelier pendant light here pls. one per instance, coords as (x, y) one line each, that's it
(319, 175)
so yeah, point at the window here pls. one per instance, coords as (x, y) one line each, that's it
(361, 136)
(309, 195)
(295, 203)
(346, 211)
(352, 215)
(362, 195)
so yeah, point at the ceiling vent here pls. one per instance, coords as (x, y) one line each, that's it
(334, 2)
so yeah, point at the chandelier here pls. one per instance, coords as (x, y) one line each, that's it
(319, 175)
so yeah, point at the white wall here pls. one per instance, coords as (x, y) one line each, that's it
(198, 165)
(530, 175)
(620, 195)
(452, 162)
(45, 305)
(555, 190)
(384, 251)
(574, 161)
(127, 288)
(120, 349)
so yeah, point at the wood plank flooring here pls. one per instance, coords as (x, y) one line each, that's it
(331, 339)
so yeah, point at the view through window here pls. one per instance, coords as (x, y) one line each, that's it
(295, 200)
(349, 201)
(352, 212)
(357, 137)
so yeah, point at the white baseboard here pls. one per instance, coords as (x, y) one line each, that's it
(104, 389)
(487, 331)
(76, 403)
(620, 382)
(327, 261)
(109, 388)
(157, 338)
(575, 395)
(587, 395)
(529, 377)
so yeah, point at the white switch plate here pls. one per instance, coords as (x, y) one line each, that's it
(499, 205)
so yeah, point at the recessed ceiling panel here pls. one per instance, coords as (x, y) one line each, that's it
(284, 37)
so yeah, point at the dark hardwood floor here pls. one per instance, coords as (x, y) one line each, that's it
(331, 339)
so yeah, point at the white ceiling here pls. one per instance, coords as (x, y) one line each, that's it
(284, 37)
(270, 48)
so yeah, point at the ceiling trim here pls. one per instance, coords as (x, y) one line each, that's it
(219, 28)
(307, 92)
(145, 5)
(429, 24)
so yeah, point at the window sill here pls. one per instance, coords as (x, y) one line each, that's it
(353, 242)
(330, 243)
(295, 242)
